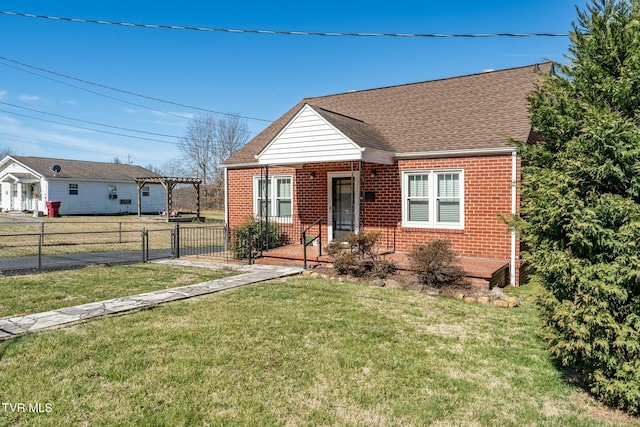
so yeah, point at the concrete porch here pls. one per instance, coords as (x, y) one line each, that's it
(482, 273)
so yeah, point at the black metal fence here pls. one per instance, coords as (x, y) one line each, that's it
(204, 241)
(36, 247)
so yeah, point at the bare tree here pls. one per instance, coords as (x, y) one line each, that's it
(153, 169)
(208, 142)
(232, 132)
(4, 152)
(198, 147)
(116, 160)
(173, 167)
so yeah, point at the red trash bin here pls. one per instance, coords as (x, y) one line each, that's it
(53, 209)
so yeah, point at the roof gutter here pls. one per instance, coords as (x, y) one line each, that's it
(240, 165)
(384, 156)
(373, 155)
(457, 153)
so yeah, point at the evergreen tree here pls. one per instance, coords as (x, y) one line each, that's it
(580, 215)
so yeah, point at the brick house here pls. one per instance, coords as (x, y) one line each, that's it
(416, 162)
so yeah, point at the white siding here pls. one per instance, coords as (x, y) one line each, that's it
(93, 197)
(309, 138)
(14, 167)
(4, 196)
(8, 201)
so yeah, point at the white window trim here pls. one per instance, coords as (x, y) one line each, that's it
(272, 197)
(432, 223)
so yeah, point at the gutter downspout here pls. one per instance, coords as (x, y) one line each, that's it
(226, 196)
(514, 178)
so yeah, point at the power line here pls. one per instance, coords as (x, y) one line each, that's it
(126, 91)
(94, 130)
(94, 123)
(278, 32)
(87, 121)
(94, 92)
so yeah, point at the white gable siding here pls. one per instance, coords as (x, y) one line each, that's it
(15, 167)
(24, 198)
(309, 138)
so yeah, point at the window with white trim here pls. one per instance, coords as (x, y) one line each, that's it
(113, 192)
(73, 189)
(433, 198)
(274, 197)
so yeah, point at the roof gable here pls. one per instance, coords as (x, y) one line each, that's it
(79, 169)
(475, 112)
(309, 137)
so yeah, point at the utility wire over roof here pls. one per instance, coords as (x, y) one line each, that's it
(280, 32)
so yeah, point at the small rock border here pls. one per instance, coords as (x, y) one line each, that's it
(495, 297)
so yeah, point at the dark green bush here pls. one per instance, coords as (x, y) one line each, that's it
(436, 264)
(580, 214)
(259, 232)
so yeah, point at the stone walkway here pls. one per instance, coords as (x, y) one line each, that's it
(16, 326)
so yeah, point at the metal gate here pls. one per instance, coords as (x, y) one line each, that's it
(201, 241)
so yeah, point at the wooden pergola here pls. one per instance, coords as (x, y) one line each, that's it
(169, 184)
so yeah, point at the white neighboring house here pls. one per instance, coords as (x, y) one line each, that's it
(82, 187)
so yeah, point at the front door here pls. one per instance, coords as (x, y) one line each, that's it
(16, 202)
(32, 197)
(343, 204)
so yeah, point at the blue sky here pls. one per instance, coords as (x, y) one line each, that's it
(253, 75)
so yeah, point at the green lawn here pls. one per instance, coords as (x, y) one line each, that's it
(300, 351)
(48, 291)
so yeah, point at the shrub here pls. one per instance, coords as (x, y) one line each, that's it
(350, 263)
(580, 214)
(259, 232)
(435, 264)
(363, 243)
(355, 255)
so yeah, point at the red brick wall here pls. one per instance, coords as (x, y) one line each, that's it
(487, 195)
(487, 191)
(240, 192)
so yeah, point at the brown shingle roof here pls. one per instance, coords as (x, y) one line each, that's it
(363, 134)
(469, 112)
(84, 169)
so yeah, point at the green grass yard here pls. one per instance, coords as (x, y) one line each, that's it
(48, 291)
(19, 235)
(298, 351)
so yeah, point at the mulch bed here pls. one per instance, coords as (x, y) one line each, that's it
(405, 280)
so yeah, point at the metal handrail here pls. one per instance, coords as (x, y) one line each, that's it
(303, 235)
